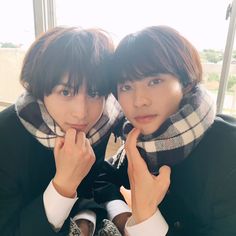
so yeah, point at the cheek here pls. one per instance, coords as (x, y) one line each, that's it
(174, 102)
(50, 106)
(125, 104)
(97, 109)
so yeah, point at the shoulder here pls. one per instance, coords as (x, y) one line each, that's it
(217, 150)
(219, 141)
(225, 122)
(215, 153)
(223, 130)
(7, 113)
(10, 123)
(12, 133)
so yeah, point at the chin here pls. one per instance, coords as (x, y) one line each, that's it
(146, 132)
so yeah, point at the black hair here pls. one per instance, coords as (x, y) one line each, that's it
(80, 54)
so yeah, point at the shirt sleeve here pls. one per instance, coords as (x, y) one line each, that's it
(57, 207)
(87, 215)
(115, 208)
(155, 223)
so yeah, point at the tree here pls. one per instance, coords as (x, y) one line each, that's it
(234, 54)
(213, 77)
(231, 82)
(211, 55)
(8, 45)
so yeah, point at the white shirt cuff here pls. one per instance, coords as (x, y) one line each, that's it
(87, 215)
(57, 207)
(115, 208)
(155, 225)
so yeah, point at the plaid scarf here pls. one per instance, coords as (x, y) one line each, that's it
(35, 118)
(178, 135)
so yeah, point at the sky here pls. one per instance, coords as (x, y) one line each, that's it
(201, 21)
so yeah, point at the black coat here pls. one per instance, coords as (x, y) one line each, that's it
(26, 168)
(201, 200)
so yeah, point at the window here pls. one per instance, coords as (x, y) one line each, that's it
(202, 22)
(228, 80)
(16, 34)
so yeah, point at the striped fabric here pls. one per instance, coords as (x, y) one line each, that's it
(178, 135)
(35, 118)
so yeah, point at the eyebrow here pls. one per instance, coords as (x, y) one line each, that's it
(65, 85)
(153, 74)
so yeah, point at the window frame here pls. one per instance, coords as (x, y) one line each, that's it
(45, 19)
(224, 76)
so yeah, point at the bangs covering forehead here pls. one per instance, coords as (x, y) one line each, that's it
(156, 50)
(82, 60)
(69, 54)
(139, 57)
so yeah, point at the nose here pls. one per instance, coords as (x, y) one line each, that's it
(141, 98)
(79, 106)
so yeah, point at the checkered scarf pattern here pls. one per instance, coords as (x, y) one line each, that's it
(178, 135)
(35, 118)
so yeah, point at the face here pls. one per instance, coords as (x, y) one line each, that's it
(80, 111)
(147, 103)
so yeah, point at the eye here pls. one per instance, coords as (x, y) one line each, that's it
(155, 81)
(124, 87)
(66, 93)
(93, 93)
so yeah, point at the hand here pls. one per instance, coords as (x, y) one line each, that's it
(74, 158)
(147, 190)
(127, 195)
(85, 226)
(120, 221)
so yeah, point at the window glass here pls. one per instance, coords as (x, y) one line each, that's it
(16, 34)
(229, 106)
(202, 22)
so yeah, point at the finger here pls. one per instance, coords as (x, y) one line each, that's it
(80, 139)
(165, 171)
(164, 177)
(130, 172)
(135, 160)
(87, 143)
(126, 194)
(59, 142)
(89, 148)
(70, 137)
(130, 145)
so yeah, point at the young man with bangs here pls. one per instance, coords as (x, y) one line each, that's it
(171, 127)
(53, 139)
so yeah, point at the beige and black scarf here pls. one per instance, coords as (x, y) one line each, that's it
(178, 135)
(35, 118)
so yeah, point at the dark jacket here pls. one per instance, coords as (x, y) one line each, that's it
(201, 200)
(26, 168)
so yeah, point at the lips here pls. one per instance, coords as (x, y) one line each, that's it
(79, 127)
(145, 119)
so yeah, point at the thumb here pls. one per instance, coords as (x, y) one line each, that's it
(59, 142)
(135, 160)
(165, 171)
(130, 145)
(163, 179)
